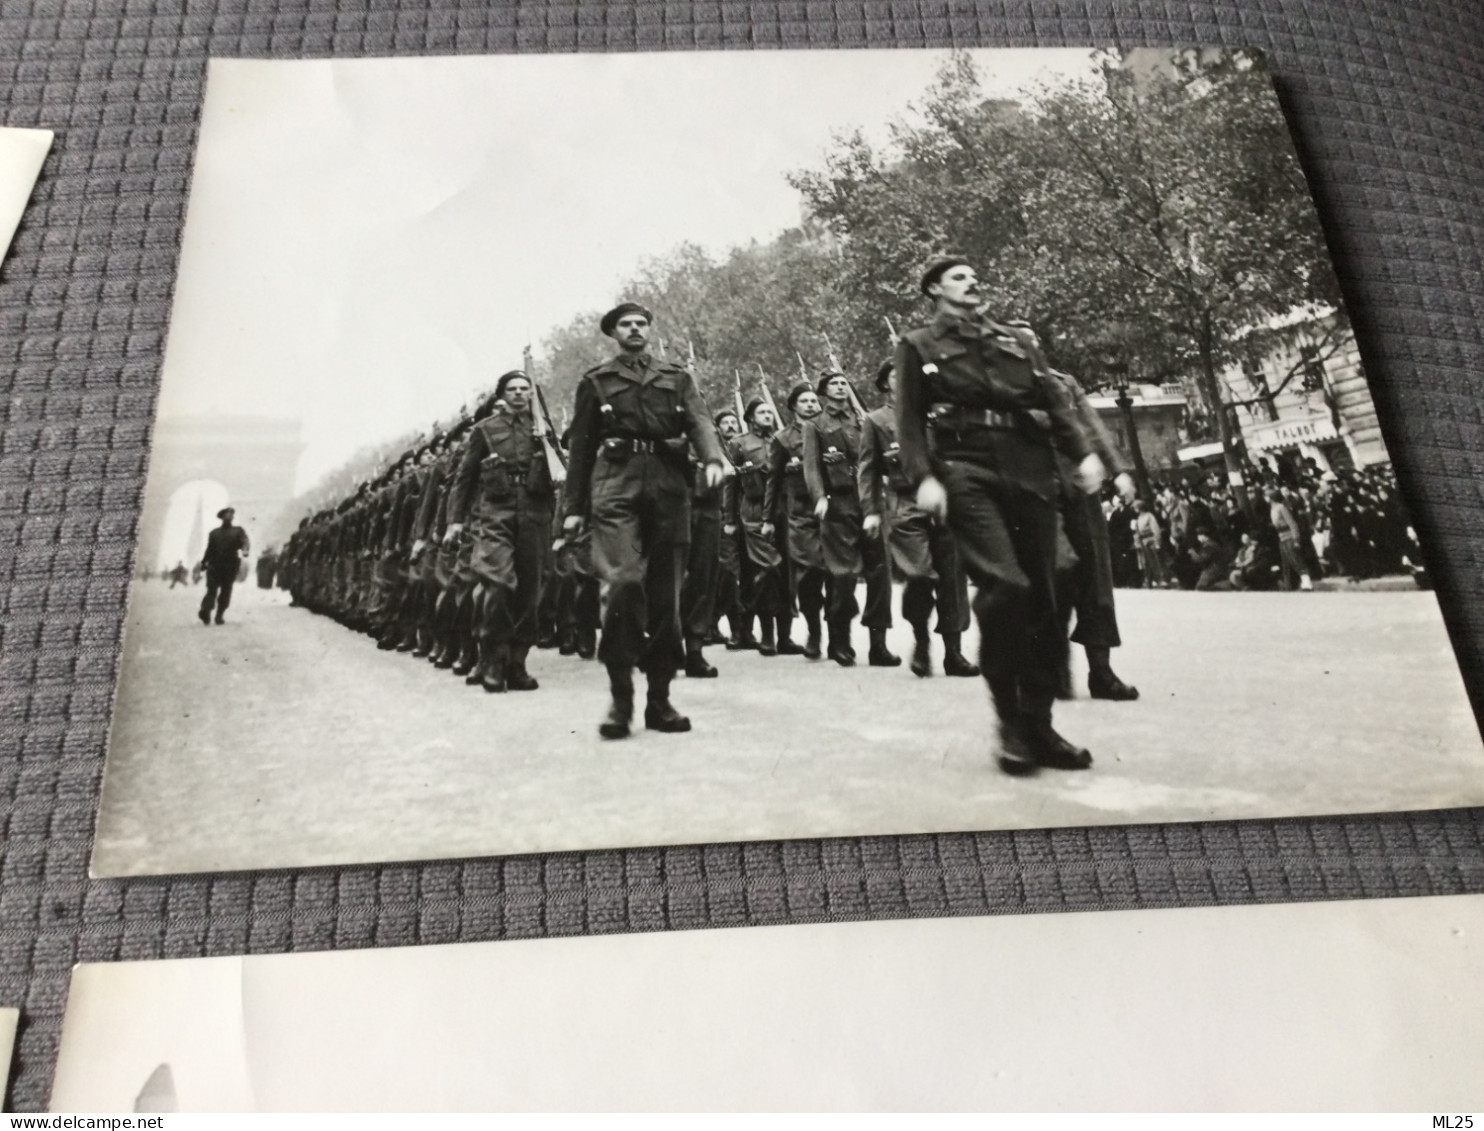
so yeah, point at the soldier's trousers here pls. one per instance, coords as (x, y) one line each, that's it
(511, 543)
(219, 589)
(703, 573)
(1090, 579)
(924, 554)
(1006, 540)
(764, 592)
(640, 516)
(840, 540)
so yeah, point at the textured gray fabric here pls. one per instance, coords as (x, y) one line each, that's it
(1387, 98)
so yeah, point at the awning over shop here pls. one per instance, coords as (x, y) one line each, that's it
(1291, 433)
(1199, 452)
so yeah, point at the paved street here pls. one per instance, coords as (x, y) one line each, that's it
(283, 739)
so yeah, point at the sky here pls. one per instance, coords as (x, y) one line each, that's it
(371, 242)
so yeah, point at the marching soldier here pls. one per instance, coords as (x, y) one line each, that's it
(764, 592)
(1089, 580)
(503, 491)
(980, 422)
(789, 507)
(706, 561)
(922, 550)
(628, 479)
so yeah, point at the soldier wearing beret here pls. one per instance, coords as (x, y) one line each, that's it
(831, 456)
(764, 592)
(921, 549)
(980, 422)
(226, 548)
(503, 490)
(629, 480)
(789, 507)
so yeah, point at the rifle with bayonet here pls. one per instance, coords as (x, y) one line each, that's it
(546, 432)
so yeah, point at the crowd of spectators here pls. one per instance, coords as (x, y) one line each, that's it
(1301, 525)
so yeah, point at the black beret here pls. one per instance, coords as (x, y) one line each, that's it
(723, 414)
(225, 512)
(506, 378)
(610, 319)
(752, 406)
(936, 268)
(798, 391)
(883, 374)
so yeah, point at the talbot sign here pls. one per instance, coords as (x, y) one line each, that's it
(1287, 433)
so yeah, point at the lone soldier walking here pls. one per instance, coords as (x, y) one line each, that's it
(980, 422)
(226, 547)
(628, 477)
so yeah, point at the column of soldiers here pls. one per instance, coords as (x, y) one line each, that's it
(473, 548)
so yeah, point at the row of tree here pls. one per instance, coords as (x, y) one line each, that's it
(1150, 223)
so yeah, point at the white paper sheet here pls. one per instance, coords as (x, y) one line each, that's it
(21, 155)
(1340, 1006)
(9, 1018)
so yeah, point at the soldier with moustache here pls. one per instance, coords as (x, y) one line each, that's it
(764, 592)
(921, 549)
(503, 492)
(980, 423)
(788, 505)
(629, 481)
(831, 456)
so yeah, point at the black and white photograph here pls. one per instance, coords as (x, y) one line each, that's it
(571, 452)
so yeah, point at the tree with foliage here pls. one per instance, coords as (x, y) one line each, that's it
(1145, 221)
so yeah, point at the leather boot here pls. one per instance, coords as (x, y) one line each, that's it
(621, 711)
(1047, 748)
(880, 656)
(475, 674)
(659, 714)
(787, 646)
(516, 676)
(922, 652)
(1015, 757)
(766, 646)
(424, 647)
(587, 643)
(468, 658)
(1102, 683)
(568, 646)
(492, 671)
(954, 660)
(840, 650)
(696, 666)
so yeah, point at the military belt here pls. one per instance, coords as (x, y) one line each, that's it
(957, 417)
(635, 445)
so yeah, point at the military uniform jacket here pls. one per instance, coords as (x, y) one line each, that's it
(786, 486)
(747, 491)
(223, 546)
(832, 444)
(880, 464)
(635, 397)
(956, 368)
(504, 461)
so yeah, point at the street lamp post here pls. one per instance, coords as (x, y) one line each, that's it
(1125, 405)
